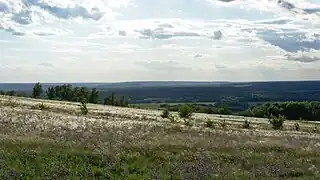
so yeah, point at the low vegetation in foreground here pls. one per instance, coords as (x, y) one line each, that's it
(42, 139)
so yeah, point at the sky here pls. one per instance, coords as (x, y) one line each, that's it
(152, 40)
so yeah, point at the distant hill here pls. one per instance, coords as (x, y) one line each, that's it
(157, 84)
(244, 92)
(29, 86)
(184, 91)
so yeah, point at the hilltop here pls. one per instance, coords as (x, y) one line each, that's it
(53, 139)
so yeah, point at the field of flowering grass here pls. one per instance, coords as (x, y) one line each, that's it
(41, 139)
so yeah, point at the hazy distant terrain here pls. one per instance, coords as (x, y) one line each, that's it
(155, 92)
(28, 86)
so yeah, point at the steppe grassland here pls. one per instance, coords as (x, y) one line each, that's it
(113, 142)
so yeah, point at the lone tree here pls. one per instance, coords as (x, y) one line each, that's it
(37, 90)
(185, 111)
(123, 102)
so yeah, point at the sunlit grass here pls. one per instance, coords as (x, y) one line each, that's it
(122, 143)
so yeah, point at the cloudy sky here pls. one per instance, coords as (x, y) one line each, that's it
(133, 40)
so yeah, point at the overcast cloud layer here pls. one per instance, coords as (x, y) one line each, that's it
(132, 40)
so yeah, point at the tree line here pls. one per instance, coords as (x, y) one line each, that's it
(293, 110)
(307, 110)
(67, 92)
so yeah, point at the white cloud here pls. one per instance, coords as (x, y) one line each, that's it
(122, 40)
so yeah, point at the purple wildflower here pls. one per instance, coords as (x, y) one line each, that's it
(11, 174)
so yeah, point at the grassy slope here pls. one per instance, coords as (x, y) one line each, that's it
(124, 143)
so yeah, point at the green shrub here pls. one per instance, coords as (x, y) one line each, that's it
(165, 114)
(185, 111)
(297, 126)
(246, 124)
(209, 123)
(224, 110)
(277, 122)
(83, 108)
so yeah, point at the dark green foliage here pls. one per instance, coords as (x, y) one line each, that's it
(66, 92)
(94, 96)
(290, 110)
(37, 90)
(257, 111)
(277, 122)
(51, 93)
(77, 94)
(224, 110)
(209, 124)
(112, 100)
(185, 111)
(83, 94)
(246, 124)
(165, 114)
(106, 101)
(123, 102)
(83, 107)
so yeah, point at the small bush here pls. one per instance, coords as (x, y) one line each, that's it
(246, 124)
(185, 111)
(43, 107)
(277, 122)
(165, 114)
(83, 108)
(316, 129)
(223, 123)
(209, 124)
(297, 126)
